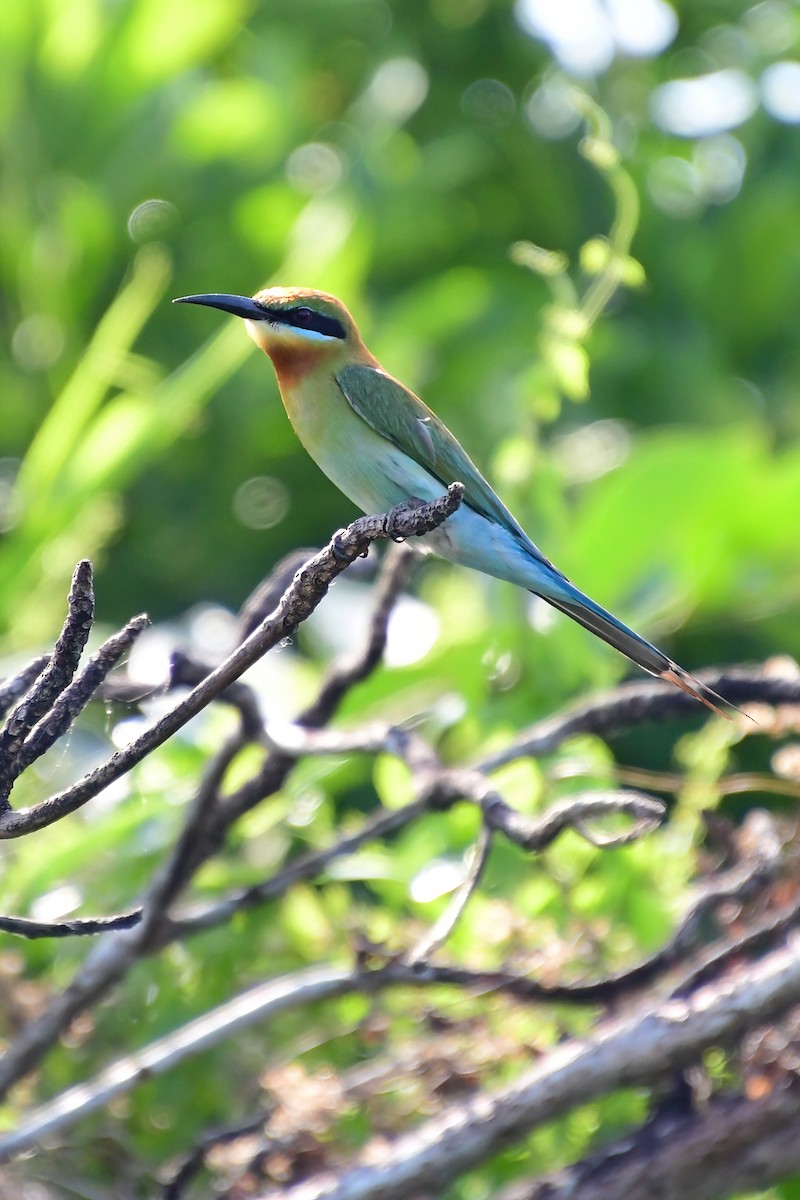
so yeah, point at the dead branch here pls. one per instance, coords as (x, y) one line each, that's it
(730, 1146)
(726, 973)
(623, 1053)
(308, 588)
(644, 701)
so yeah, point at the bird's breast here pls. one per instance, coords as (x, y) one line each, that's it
(373, 472)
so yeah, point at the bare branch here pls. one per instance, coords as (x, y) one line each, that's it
(310, 585)
(620, 1053)
(17, 685)
(642, 702)
(440, 931)
(53, 679)
(573, 813)
(195, 1160)
(731, 1146)
(307, 866)
(79, 927)
(115, 955)
(728, 785)
(437, 788)
(266, 1000)
(756, 938)
(204, 830)
(346, 673)
(717, 991)
(187, 672)
(267, 595)
(77, 695)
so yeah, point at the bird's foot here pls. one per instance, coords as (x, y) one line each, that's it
(395, 515)
(337, 546)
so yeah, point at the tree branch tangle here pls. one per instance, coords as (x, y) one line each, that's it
(495, 1018)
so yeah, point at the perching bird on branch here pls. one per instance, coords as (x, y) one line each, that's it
(380, 444)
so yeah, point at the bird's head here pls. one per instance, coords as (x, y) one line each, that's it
(296, 327)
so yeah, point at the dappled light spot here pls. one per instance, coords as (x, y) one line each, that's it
(10, 503)
(542, 617)
(674, 185)
(261, 502)
(642, 28)
(720, 163)
(708, 104)
(771, 25)
(578, 32)
(412, 632)
(315, 167)
(592, 450)
(490, 101)
(714, 175)
(397, 89)
(586, 35)
(56, 904)
(551, 109)
(780, 91)
(149, 656)
(212, 629)
(436, 879)
(151, 220)
(38, 342)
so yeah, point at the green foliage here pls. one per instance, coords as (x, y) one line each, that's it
(633, 388)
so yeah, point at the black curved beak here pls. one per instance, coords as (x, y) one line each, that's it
(240, 306)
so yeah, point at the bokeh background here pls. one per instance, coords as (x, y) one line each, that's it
(393, 154)
(645, 433)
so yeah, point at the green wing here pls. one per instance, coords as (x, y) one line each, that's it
(402, 418)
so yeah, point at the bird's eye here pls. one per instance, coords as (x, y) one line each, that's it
(303, 316)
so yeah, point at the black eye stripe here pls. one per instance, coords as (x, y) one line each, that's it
(307, 318)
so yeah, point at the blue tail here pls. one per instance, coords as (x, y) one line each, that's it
(568, 599)
(506, 552)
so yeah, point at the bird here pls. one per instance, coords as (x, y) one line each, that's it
(380, 444)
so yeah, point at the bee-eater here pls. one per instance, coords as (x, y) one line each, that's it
(380, 444)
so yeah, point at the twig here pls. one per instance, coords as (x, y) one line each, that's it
(266, 596)
(641, 702)
(349, 671)
(713, 1013)
(187, 672)
(535, 834)
(17, 685)
(79, 927)
(438, 789)
(299, 601)
(757, 938)
(51, 682)
(207, 823)
(341, 678)
(573, 813)
(266, 1000)
(77, 695)
(731, 1146)
(194, 1162)
(620, 1053)
(727, 785)
(441, 929)
(307, 866)
(180, 864)
(115, 955)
